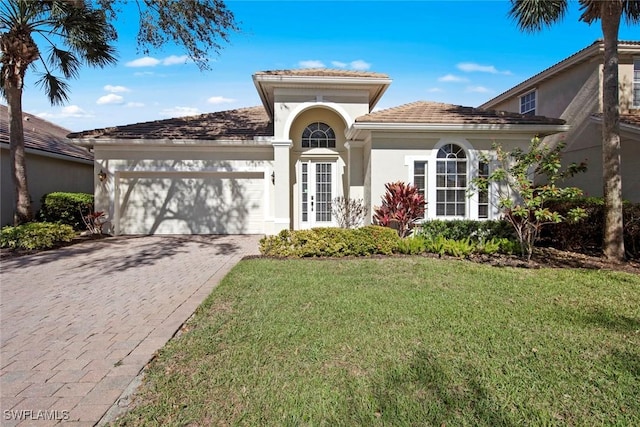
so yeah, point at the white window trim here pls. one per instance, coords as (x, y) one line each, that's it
(635, 82)
(535, 101)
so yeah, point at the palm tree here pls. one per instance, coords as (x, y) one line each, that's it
(534, 15)
(74, 34)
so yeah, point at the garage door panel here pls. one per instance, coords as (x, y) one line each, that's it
(191, 205)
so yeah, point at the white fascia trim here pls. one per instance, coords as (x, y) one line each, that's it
(102, 142)
(323, 80)
(448, 127)
(178, 147)
(52, 155)
(624, 127)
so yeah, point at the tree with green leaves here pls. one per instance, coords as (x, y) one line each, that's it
(534, 15)
(522, 203)
(55, 38)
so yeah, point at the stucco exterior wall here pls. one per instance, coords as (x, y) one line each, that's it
(45, 175)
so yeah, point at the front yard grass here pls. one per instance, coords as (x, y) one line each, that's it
(402, 341)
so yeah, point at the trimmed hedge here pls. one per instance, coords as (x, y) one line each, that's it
(331, 242)
(35, 235)
(66, 208)
(586, 236)
(461, 229)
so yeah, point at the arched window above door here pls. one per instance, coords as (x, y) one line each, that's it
(318, 135)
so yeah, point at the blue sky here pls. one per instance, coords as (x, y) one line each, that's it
(460, 52)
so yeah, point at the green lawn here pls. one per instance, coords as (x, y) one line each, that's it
(402, 341)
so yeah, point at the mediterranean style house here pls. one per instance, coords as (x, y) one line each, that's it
(280, 165)
(53, 163)
(572, 90)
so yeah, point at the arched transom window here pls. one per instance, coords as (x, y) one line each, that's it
(451, 181)
(318, 135)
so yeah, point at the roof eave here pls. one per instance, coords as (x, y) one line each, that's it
(461, 127)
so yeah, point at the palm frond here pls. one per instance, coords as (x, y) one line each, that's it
(535, 15)
(65, 61)
(57, 90)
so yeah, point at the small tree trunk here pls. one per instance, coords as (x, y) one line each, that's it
(23, 212)
(613, 244)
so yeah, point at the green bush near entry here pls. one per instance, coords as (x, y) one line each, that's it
(36, 236)
(331, 242)
(66, 208)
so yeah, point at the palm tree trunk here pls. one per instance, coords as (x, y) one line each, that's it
(23, 211)
(613, 244)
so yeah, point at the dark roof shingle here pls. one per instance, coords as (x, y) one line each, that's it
(239, 124)
(42, 135)
(438, 113)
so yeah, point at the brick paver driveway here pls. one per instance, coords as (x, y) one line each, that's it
(79, 323)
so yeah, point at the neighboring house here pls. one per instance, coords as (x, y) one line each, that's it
(53, 163)
(280, 165)
(572, 90)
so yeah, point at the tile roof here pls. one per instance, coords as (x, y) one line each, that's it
(439, 113)
(321, 72)
(42, 135)
(239, 124)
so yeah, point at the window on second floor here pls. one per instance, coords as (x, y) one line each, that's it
(528, 104)
(636, 83)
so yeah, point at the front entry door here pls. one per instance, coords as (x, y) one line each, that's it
(318, 190)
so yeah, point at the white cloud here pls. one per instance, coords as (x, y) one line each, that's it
(116, 89)
(470, 67)
(360, 65)
(339, 64)
(179, 112)
(173, 60)
(111, 98)
(143, 73)
(478, 89)
(450, 78)
(134, 105)
(219, 100)
(68, 111)
(145, 61)
(434, 90)
(312, 63)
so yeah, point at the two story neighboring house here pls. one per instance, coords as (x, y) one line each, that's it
(572, 90)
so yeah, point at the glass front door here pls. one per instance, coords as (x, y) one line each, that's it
(318, 190)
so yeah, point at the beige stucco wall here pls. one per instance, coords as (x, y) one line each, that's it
(118, 160)
(44, 175)
(389, 157)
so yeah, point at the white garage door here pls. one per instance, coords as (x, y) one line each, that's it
(190, 203)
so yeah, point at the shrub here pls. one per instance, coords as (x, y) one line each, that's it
(66, 208)
(35, 235)
(331, 242)
(402, 206)
(463, 228)
(349, 213)
(586, 236)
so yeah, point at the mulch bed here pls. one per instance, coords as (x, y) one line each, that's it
(542, 257)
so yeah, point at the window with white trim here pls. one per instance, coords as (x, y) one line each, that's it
(636, 83)
(528, 104)
(483, 195)
(451, 181)
(420, 177)
(318, 135)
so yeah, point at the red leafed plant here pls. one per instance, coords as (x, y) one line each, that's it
(402, 206)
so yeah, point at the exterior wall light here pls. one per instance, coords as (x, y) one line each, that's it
(102, 175)
(273, 177)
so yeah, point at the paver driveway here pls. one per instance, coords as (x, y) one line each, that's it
(79, 323)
